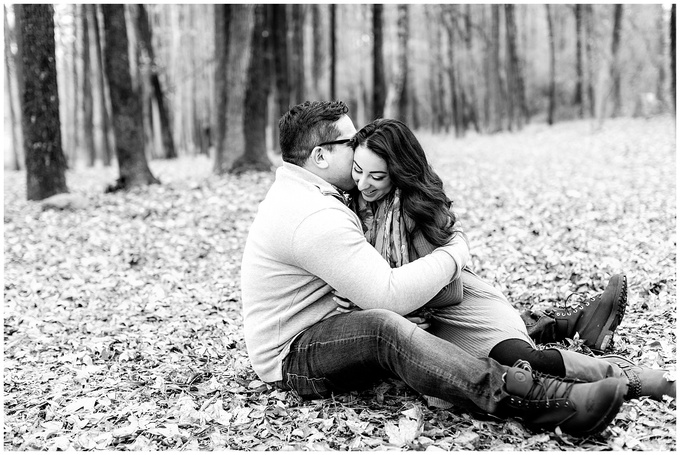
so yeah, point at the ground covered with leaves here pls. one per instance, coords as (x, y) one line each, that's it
(122, 326)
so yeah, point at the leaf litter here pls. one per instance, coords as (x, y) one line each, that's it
(123, 326)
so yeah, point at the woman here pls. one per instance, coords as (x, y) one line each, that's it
(406, 215)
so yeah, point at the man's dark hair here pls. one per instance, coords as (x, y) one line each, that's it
(307, 125)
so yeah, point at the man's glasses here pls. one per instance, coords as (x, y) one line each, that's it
(338, 142)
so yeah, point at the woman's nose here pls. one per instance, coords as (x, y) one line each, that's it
(362, 184)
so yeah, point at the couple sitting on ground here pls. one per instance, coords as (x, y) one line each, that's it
(356, 270)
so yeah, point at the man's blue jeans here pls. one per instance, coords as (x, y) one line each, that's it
(352, 351)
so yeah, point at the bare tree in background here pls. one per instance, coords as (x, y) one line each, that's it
(579, 92)
(396, 104)
(125, 103)
(379, 89)
(146, 44)
(254, 155)
(12, 103)
(86, 103)
(37, 75)
(237, 34)
(551, 41)
(518, 112)
(102, 121)
(615, 69)
(495, 91)
(672, 33)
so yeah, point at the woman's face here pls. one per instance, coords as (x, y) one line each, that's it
(370, 175)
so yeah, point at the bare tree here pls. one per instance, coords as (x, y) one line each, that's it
(396, 104)
(334, 55)
(86, 106)
(12, 103)
(579, 92)
(297, 53)
(146, 43)
(238, 23)
(551, 41)
(494, 73)
(518, 112)
(254, 155)
(127, 112)
(672, 52)
(45, 162)
(615, 65)
(101, 121)
(379, 89)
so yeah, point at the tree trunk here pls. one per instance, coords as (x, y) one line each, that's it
(318, 50)
(379, 89)
(222, 24)
(297, 54)
(279, 27)
(396, 102)
(551, 92)
(450, 19)
(672, 52)
(86, 141)
(590, 71)
(146, 41)
(518, 110)
(238, 56)
(495, 92)
(45, 162)
(254, 156)
(579, 95)
(333, 50)
(471, 105)
(12, 102)
(102, 121)
(615, 66)
(127, 112)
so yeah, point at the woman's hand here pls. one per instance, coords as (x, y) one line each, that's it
(418, 320)
(344, 304)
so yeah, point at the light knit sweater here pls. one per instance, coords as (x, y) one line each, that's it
(303, 244)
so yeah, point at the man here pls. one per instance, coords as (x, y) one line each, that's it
(305, 243)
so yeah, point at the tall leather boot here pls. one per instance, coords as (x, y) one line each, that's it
(547, 402)
(595, 319)
(642, 381)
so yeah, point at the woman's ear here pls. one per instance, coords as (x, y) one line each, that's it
(319, 158)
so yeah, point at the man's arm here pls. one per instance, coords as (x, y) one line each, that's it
(331, 246)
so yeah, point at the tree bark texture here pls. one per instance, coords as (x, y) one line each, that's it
(396, 103)
(86, 141)
(12, 102)
(334, 56)
(579, 94)
(45, 162)
(495, 91)
(551, 41)
(236, 71)
(673, 56)
(518, 111)
(379, 89)
(279, 25)
(297, 54)
(615, 65)
(146, 41)
(254, 156)
(125, 103)
(102, 118)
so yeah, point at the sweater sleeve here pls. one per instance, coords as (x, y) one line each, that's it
(330, 245)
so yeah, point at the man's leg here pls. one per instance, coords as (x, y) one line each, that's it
(351, 351)
(354, 350)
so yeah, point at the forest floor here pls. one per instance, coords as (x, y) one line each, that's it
(122, 325)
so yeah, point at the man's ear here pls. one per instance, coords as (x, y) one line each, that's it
(319, 158)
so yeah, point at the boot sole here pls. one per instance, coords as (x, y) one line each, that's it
(614, 319)
(609, 415)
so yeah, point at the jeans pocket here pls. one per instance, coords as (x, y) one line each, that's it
(308, 388)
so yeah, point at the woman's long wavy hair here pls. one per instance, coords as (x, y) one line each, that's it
(422, 191)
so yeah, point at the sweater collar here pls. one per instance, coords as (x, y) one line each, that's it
(300, 174)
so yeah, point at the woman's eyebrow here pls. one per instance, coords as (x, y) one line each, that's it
(357, 165)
